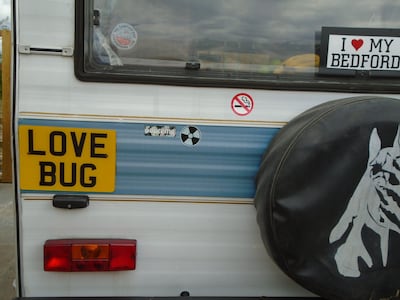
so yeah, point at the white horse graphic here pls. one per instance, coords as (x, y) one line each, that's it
(375, 203)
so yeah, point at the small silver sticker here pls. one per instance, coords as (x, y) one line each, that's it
(156, 130)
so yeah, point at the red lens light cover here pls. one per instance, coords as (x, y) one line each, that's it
(89, 255)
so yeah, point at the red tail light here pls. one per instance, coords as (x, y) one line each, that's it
(91, 255)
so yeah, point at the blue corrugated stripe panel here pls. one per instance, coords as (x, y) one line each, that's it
(223, 162)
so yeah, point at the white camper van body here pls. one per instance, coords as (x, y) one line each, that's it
(170, 166)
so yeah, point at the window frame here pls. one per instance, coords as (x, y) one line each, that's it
(320, 82)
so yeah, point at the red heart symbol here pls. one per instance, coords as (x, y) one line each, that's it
(357, 44)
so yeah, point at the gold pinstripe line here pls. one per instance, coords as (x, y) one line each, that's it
(150, 119)
(148, 200)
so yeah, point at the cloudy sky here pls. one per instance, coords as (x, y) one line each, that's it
(4, 9)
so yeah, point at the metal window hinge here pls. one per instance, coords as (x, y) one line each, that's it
(65, 51)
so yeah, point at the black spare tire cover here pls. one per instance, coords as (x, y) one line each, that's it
(328, 198)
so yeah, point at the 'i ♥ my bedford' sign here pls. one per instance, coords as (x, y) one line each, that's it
(360, 49)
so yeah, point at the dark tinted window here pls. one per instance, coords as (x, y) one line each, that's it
(248, 43)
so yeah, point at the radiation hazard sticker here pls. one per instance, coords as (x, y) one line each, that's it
(190, 136)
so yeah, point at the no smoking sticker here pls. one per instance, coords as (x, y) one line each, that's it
(242, 104)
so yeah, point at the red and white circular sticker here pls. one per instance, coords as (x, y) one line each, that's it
(124, 36)
(242, 104)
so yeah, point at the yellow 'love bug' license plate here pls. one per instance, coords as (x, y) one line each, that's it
(67, 159)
